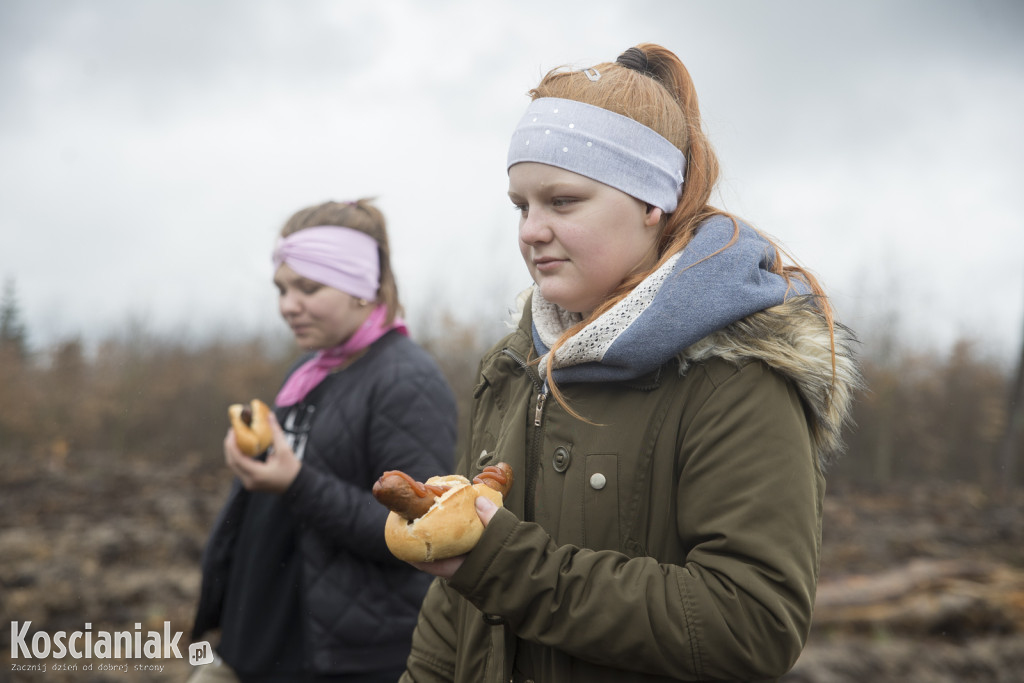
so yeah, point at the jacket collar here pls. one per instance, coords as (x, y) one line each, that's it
(792, 338)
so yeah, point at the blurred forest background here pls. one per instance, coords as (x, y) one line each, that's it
(111, 474)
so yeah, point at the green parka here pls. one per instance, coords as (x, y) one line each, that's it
(675, 538)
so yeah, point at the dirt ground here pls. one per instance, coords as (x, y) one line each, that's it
(920, 583)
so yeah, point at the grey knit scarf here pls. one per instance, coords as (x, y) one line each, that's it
(698, 291)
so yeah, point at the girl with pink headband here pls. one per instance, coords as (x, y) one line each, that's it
(668, 401)
(296, 575)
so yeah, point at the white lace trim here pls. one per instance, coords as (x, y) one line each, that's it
(591, 343)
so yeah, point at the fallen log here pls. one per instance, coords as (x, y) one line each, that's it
(954, 598)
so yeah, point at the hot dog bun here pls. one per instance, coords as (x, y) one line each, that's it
(252, 426)
(450, 527)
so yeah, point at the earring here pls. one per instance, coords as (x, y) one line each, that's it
(363, 303)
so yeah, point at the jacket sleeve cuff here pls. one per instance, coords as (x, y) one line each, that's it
(468, 578)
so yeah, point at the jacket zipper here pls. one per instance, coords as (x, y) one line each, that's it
(529, 493)
(542, 386)
(533, 455)
(538, 413)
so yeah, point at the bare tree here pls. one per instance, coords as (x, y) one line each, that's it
(13, 337)
(1009, 447)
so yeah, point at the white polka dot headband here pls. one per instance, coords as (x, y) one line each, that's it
(603, 146)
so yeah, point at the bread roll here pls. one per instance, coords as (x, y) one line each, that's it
(450, 527)
(252, 426)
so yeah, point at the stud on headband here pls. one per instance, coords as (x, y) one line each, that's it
(603, 146)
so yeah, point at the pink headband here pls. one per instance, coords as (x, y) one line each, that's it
(338, 257)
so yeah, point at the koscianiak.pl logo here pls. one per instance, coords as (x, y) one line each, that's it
(33, 651)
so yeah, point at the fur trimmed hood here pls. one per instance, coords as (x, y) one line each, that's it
(793, 339)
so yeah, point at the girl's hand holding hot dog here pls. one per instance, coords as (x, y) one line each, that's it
(433, 524)
(273, 475)
(445, 568)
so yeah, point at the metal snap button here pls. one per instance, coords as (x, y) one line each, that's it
(598, 481)
(484, 458)
(560, 460)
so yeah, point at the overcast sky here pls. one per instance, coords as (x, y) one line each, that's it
(150, 151)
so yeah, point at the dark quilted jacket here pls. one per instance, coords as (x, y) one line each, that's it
(391, 409)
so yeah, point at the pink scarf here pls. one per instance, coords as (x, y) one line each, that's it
(313, 371)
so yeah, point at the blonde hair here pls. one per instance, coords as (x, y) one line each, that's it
(363, 216)
(656, 90)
